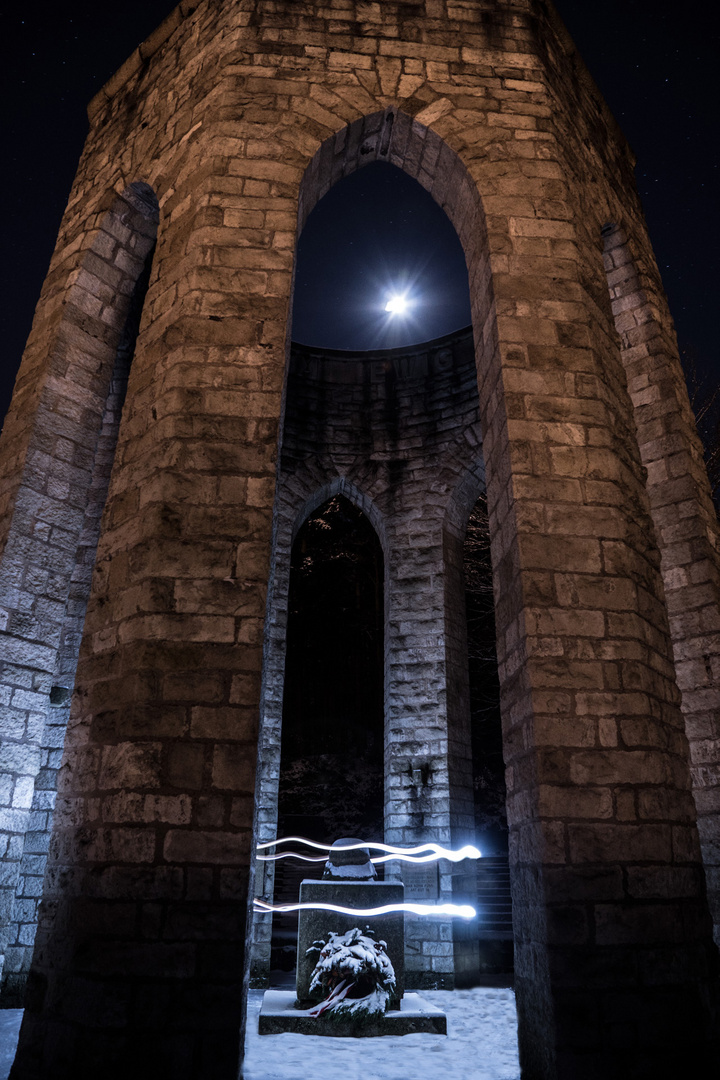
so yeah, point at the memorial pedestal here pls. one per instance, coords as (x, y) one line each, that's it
(315, 925)
(278, 1014)
(349, 884)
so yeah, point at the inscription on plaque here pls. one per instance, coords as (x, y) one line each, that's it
(421, 881)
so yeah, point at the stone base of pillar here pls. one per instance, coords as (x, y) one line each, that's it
(278, 1014)
(314, 925)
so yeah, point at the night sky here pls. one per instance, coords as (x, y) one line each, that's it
(654, 61)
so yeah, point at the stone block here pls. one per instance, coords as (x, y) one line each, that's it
(315, 925)
(278, 1014)
(572, 470)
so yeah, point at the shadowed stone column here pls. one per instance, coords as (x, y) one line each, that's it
(147, 880)
(609, 909)
(53, 439)
(685, 523)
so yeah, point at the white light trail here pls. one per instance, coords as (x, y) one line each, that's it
(467, 852)
(309, 843)
(463, 911)
(292, 855)
(423, 853)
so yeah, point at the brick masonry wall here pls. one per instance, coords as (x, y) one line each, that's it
(396, 432)
(685, 523)
(45, 540)
(239, 117)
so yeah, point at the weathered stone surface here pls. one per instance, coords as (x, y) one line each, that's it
(278, 1013)
(316, 924)
(683, 513)
(233, 119)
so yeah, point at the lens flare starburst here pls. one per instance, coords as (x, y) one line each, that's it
(398, 304)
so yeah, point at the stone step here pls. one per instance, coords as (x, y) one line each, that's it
(278, 1014)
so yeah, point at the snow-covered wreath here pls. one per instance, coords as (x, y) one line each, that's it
(354, 974)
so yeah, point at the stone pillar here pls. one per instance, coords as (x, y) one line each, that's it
(685, 525)
(52, 452)
(422, 800)
(21, 931)
(460, 757)
(609, 908)
(148, 876)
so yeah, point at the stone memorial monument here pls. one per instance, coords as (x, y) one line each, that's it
(369, 945)
(349, 881)
(145, 546)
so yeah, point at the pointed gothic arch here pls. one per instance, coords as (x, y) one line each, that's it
(227, 107)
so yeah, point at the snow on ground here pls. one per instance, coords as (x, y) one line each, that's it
(481, 1044)
(10, 1020)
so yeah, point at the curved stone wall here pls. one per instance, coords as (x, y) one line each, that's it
(240, 117)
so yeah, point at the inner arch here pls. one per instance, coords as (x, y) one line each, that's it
(331, 769)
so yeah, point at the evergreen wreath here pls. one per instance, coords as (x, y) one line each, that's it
(355, 975)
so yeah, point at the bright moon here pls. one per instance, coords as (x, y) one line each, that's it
(397, 305)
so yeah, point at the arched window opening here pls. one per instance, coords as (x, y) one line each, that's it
(331, 773)
(375, 237)
(386, 402)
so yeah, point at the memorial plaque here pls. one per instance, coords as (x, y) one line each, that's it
(421, 881)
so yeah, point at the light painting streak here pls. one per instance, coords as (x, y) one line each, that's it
(421, 854)
(463, 911)
(292, 855)
(467, 852)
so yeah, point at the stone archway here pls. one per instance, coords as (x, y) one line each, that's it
(227, 107)
(296, 501)
(331, 768)
(354, 425)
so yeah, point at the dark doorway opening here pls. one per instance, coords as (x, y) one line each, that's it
(331, 771)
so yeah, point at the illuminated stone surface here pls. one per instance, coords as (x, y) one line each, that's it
(218, 136)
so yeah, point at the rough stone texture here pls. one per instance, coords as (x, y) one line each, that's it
(278, 1014)
(20, 932)
(316, 925)
(53, 465)
(397, 433)
(684, 517)
(239, 117)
